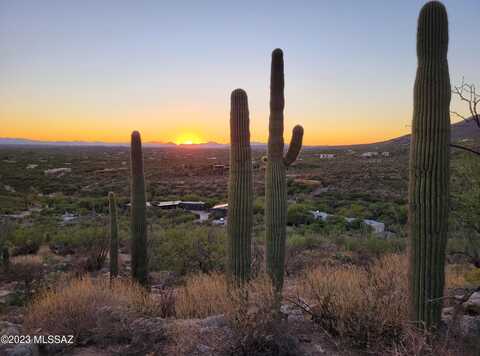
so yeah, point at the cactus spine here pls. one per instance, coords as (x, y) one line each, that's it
(276, 186)
(240, 191)
(139, 218)
(429, 167)
(113, 235)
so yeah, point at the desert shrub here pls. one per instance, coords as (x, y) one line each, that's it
(25, 241)
(89, 243)
(188, 248)
(299, 214)
(83, 307)
(306, 241)
(201, 296)
(473, 277)
(374, 246)
(355, 210)
(170, 218)
(358, 225)
(257, 330)
(366, 306)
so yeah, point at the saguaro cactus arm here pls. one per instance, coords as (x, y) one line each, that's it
(295, 146)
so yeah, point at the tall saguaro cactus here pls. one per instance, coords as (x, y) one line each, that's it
(276, 185)
(113, 235)
(240, 191)
(429, 167)
(138, 215)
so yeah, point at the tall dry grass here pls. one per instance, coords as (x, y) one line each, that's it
(366, 305)
(201, 296)
(75, 306)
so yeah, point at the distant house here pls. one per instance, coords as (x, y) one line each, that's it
(192, 205)
(378, 227)
(148, 204)
(219, 168)
(59, 171)
(167, 204)
(187, 205)
(219, 211)
(369, 154)
(386, 154)
(68, 217)
(326, 155)
(320, 215)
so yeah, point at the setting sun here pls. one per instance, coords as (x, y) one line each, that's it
(188, 139)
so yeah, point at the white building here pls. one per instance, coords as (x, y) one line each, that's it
(326, 155)
(377, 227)
(369, 154)
(320, 215)
(386, 154)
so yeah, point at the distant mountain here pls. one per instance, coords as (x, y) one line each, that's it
(462, 130)
(24, 141)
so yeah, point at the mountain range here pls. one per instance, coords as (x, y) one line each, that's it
(462, 130)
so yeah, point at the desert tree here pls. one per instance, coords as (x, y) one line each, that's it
(467, 93)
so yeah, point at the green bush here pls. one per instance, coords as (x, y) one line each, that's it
(299, 214)
(78, 239)
(374, 246)
(187, 248)
(305, 242)
(25, 240)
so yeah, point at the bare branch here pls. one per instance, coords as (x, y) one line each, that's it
(465, 149)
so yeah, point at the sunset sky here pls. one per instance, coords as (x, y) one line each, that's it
(95, 70)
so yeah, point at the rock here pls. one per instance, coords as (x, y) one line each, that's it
(215, 321)
(204, 349)
(7, 328)
(319, 349)
(5, 296)
(472, 305)
(470, 326)
(292, 312)
(152, 329)
(447, 314)
(22, 350)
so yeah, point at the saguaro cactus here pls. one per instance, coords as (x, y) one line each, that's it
(113, 235)
(429, 167)
(240, 191)
(139, 218)
(276, 186)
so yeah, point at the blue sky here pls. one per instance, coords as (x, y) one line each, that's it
(96, 70)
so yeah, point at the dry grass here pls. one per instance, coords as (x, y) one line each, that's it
(74, 307)
(366, 305)
(455, 276)
(201, 296)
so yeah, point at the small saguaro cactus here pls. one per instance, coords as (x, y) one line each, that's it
(429, 167)
(277, 163)
(138, 214)
(113, 235)
(240, 191)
